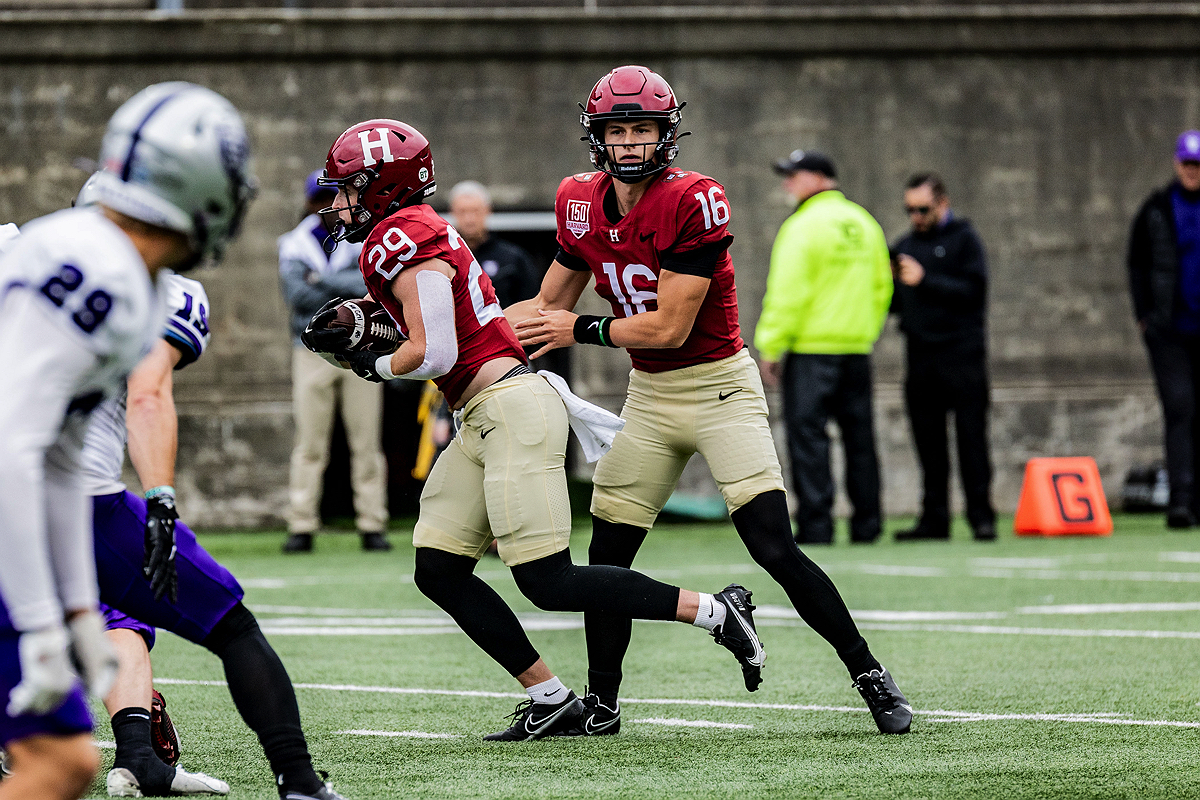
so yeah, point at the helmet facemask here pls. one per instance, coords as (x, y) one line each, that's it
(665, 148)
(361, 219)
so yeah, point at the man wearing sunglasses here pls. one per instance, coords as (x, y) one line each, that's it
(1164, 276)
(941, 293)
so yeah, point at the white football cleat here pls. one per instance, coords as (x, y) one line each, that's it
(122, 783)
(192, 783)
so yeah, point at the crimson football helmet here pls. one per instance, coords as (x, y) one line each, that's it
(632, 93)
(390, 165)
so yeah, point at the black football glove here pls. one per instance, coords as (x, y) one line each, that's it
(158, 564)
(362, 362)
(321, 339)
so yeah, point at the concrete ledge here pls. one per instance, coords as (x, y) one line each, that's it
(396, 34)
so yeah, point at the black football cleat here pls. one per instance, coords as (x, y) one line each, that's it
(326, 792)
(537, 720)
(597, 720)
(738, 636)
(888, 706)
(298, 543)
(163, 736)
(374, 540)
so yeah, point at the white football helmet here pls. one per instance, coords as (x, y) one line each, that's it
(176, 155)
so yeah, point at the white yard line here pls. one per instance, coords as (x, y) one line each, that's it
(408, 623)
(1180, 557)
(938, 715)
(1004, 630)
(404, 734)
(690, 723)
(1109, 608)
(788, 612)
(1138, 576)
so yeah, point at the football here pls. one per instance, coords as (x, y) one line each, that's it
(370, 326)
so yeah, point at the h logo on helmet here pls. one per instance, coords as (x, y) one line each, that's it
(383, 145)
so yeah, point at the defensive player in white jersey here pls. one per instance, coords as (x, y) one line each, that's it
(137, 770)
(78, 309)
(188, 593)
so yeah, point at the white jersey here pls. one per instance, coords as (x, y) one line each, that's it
(77, 312)
(8, 236)
(187, 329)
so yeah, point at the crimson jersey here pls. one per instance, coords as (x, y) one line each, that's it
(416, 234)
(679, 213)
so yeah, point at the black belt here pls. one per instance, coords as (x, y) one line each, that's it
(520, 369)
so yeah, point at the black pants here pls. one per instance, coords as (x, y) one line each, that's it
(816, 388)
(940, 382)
(1175, 359)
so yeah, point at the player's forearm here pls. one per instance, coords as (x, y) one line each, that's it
(72, 557)
(523, 310)
(654, 330)
(153, 436)
(408, 356)
(26, 582)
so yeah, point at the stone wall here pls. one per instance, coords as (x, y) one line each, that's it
(1049, 123)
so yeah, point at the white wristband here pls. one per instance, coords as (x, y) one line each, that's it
(383, 366)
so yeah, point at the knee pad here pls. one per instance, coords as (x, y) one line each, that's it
(547, 582)
(238, 623)
(439, 573)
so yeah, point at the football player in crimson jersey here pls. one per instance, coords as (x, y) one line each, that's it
(656, 239)
(503, 476)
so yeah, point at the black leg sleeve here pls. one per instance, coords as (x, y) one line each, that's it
(763, 525)
(448, 581)
(263, 694)
(608, 636)
(553, 583)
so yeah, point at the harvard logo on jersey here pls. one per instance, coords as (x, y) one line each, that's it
(577, 217)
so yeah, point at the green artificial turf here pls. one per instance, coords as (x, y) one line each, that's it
(975, 649)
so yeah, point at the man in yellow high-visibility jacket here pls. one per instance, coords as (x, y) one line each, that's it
(827, 297)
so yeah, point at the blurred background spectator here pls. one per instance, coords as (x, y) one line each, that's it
(827, 296)
(513, 274)
(1164, 277)
(940, 297)
(312, 276)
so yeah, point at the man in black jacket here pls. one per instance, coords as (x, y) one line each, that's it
(513, 274)
(1164, 277)
(941, 296)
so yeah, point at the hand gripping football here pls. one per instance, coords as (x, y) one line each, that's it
(369, 325)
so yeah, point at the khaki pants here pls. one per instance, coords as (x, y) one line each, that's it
(317, 388)
(718, 410)
(502, 477)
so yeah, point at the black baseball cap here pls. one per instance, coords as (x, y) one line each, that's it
(807, 160)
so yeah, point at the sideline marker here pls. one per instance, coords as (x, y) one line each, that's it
(1062, 496)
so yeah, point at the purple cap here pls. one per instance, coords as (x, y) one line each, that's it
(313, 190)
(1187, 147)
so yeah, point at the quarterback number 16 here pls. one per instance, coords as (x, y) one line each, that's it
(716, 211)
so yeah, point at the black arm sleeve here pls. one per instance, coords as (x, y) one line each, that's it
(701, 261)
(571, 262)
